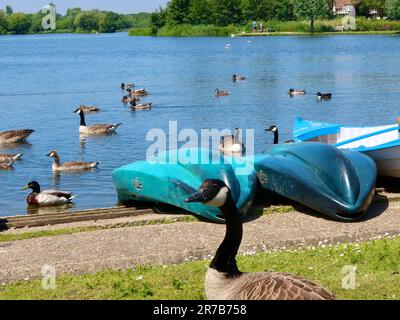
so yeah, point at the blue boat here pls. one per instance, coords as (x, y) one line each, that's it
(338, 184)
(172, 176)
(381, 143)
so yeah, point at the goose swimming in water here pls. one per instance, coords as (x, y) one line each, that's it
(70, 166)
(323, 96)
(14, 136)
(231, 144)
(224, 281)
(274, 130)
(294, 92)
(46, 197)
(96, 128)
(4, 157)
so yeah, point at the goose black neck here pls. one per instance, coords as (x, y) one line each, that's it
(276, 137)
(225, 257)
(83, 123)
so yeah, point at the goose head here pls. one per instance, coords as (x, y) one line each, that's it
(272, 128)
(34, 185)
(78, 111)
(52, 154)
(212, 192)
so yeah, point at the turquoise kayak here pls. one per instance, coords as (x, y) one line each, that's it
(174, 175)
(336, 183)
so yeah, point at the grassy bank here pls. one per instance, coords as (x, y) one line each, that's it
(377, 277)
(364, 26)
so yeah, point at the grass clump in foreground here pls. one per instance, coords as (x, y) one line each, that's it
(377, 277)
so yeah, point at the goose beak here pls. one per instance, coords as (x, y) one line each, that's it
(196, 197)
(48, 155)
(24, 188)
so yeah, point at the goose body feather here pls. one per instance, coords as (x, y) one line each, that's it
(13, 136)
(4, 157)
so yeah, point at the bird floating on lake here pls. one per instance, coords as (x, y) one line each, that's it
(46, 197)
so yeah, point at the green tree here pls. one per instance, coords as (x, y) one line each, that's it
(158, 19)
(109, 22)
(19, 23)
(364, 7)
(199, 12)
(36, 22)
(284, 10)
(3, 22)
(311, 9)
(9, 10)
(393, 9)
(177, 12)
(226, 12)
(87, 21)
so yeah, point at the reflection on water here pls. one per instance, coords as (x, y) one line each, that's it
(32, 210)
(66, 71)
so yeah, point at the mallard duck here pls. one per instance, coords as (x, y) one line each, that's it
(231, 144)
(46, 197)
(224, 280)
(139, 92)
(294, 92)
(70, 166)
(6, 165)
(4, 157)
(13, 136)
(219, 93)
(324, 96)
(126, 99)
(96, 128)
(89, 109)
(238, 78)
(127, 85)
(143, 106)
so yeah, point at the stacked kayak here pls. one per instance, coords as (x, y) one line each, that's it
(172, 176)
(339, 184)
(381, 143)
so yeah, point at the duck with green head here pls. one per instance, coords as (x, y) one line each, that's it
(46, 197)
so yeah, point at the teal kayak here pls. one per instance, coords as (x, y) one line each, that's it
(172, 176)
(336, 183)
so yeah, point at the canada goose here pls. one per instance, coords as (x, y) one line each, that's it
(231, 144)
(238, 78)
(294, 92)
(13, 136)
(274, 129)
(96, 128)
(224, 281)
(46, 197)
(127, 85)
(4, 157)
(6, 165)
(143, 106)
(89, 109)
(324, 96)
(219, 93)
(70, 166)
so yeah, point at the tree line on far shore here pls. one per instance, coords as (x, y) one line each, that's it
(235, 12)
(75, 20)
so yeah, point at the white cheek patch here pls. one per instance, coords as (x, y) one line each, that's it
(220, 199)
(273, 129)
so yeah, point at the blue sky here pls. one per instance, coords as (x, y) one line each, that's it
(123, 6)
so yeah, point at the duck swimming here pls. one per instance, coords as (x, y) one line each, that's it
(139, 92)
(89, 109)
(70, 166)
(46, 197)
(219, 93)
(127, 85)
(6, 165)
(224, 281)
(143, 106)
(238, 78)
(14, 136)
(324, 96)
(96, 128)
(4, 157)
(294, 92)
(231, 144)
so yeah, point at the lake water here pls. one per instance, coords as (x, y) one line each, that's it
(43, 79)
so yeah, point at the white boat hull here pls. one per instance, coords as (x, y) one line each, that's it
(387, 161)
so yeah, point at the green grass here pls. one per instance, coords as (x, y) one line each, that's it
(377, 262)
